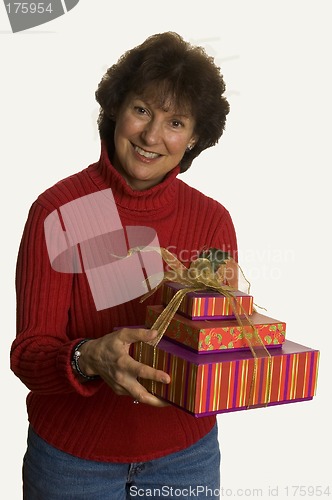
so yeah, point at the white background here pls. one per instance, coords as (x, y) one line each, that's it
(270, 170)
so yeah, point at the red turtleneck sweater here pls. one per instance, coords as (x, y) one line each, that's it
(55, 310)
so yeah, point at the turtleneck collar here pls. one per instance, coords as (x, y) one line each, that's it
(104, 175)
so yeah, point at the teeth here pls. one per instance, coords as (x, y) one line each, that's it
(146, 154)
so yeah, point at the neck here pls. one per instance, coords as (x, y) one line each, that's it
(137, 184)
(139, 198)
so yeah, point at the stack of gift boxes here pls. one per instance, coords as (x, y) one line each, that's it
(218, 363)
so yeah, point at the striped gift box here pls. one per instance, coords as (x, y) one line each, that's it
(213, 335)
(218, 383)
(206, 304)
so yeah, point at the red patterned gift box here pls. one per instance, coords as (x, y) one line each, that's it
(207, 304)
(218, 383)
(213, 335)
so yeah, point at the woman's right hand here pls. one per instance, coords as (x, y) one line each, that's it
(109, 358)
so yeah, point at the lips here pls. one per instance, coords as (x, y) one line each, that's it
(146, 154)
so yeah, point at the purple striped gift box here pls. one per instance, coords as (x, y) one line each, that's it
(225, 381)
(208, 304)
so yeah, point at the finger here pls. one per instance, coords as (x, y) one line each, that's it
(140, 370)
(130, 335)
(141, 395)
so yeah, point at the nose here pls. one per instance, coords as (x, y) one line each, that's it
(152, 132)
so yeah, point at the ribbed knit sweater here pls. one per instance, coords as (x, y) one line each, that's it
(55, 310)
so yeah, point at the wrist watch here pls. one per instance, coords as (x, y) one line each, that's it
(74, 362)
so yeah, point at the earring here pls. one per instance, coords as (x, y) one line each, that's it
(189, 147)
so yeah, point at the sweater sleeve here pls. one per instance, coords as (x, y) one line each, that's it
(224, 236)
(41, 353)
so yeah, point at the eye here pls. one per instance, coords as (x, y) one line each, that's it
(177, 123)
(140, 110)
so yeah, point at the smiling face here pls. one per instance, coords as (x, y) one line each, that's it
(150, 140)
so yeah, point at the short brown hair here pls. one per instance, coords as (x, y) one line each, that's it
(176, 69)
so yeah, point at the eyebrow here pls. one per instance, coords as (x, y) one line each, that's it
(179, 114)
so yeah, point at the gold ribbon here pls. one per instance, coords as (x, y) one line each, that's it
(200, 276)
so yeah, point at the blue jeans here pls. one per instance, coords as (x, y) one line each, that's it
(51, 474)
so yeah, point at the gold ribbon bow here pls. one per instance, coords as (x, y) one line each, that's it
(201, 276)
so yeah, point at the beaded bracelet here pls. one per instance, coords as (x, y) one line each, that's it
(74, 362)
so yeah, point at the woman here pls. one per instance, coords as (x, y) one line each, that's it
(161, 104)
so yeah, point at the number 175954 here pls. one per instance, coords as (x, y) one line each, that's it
(29, 8)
